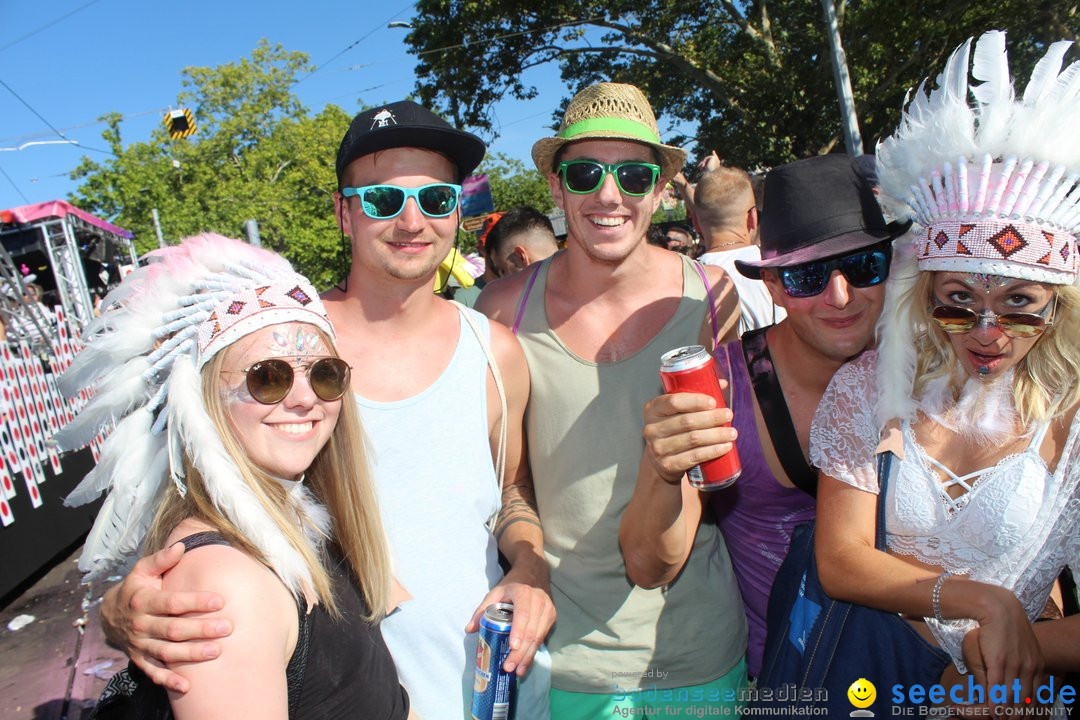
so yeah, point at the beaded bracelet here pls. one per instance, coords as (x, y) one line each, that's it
(935, 595)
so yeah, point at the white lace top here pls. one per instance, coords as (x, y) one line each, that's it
(1017, 526)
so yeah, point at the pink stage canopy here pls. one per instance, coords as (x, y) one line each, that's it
(60, 209)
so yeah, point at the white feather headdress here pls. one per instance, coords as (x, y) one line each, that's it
(991, 183)
(143, 356)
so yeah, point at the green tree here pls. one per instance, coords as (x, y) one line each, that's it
(257, 154)
(512, 183)
(755, 74)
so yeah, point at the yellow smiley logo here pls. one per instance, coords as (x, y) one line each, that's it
(862, 693)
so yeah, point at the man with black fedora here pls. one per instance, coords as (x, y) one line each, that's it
(825, 255)
(440, 427)
(594, 320)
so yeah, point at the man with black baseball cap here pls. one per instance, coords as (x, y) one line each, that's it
(442, 394)
(825, 254)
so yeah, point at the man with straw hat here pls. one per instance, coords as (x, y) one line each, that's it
(594, 320)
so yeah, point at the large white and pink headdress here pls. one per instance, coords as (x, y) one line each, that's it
(990, 181)
(143, 359)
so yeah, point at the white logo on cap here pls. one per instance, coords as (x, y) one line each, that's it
(383, 118)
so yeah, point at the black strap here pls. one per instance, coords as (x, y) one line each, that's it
(774, 409)
(884, 467)
(202, 539)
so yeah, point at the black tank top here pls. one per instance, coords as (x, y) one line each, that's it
(340, 668)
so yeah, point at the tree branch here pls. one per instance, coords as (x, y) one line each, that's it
(764, 36)
(282, 166)
(662, 51)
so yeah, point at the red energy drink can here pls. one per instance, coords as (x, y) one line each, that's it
(692, 369)
(494, 689)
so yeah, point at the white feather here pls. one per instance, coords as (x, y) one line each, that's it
(226, 487)
(1067, 85)
(126, 448)
(1044, 76)
(896, 335)
(994, 96)
(121, 391)
(147, 496)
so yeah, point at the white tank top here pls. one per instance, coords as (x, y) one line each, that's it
(437, 488)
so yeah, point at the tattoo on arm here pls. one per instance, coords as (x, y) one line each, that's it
(518, 505)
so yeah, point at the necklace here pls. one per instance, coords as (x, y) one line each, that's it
(713, 248)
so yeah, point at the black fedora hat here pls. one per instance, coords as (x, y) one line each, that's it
(406, 124)
(817, 208)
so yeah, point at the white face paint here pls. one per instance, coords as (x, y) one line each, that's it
(282, 439)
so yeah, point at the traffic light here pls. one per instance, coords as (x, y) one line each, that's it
(179, 123)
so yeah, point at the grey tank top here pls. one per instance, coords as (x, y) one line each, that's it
(584, 425)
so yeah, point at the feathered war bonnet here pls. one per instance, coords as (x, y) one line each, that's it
(143, 358)
(990, 183)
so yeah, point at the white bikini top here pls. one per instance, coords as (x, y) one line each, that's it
(991, 518)
(1016, 526)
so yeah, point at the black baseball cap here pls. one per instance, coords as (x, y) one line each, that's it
(406, 124)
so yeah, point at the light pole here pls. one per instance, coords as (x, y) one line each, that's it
(848, 118)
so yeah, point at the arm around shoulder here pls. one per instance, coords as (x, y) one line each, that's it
(248, 678)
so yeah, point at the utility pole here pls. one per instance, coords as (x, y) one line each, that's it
(251, 229)
(157, 228)
(848, 118)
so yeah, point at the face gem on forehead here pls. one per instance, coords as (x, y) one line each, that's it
(301, 342)
(987, 282)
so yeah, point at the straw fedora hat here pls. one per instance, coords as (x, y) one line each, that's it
(612, 111)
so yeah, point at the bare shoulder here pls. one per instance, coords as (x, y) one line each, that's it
(725, 305)
(248, 677)
(243, 581)
(508, 353)
(334, 301)
(719, 280)
(499, 299)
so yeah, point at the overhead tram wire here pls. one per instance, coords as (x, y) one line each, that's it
(47, 25)
(371, 32)
(49, 124)
(17, 188)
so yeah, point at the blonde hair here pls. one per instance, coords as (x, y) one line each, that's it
(1047, 379)
(338, 477)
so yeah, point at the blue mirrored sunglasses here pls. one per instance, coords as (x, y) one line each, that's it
(862, 269)
(383, 202)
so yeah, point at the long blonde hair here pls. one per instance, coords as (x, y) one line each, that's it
(338, 477)
(1047, 379)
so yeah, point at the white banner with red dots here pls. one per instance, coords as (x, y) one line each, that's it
(31, 410)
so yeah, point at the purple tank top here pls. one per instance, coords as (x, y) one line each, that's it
(757, 514)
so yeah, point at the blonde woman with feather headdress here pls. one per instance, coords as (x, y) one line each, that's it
(974, 387)
(216, 362)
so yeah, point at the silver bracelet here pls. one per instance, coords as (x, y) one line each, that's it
(935, 595)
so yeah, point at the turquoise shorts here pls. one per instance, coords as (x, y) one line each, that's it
(693, 701)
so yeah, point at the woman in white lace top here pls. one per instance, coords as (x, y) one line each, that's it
(976, 383)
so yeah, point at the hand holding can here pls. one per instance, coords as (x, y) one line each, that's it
(692, 369)
(494, 689)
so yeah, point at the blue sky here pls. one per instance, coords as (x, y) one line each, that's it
(71, 61)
